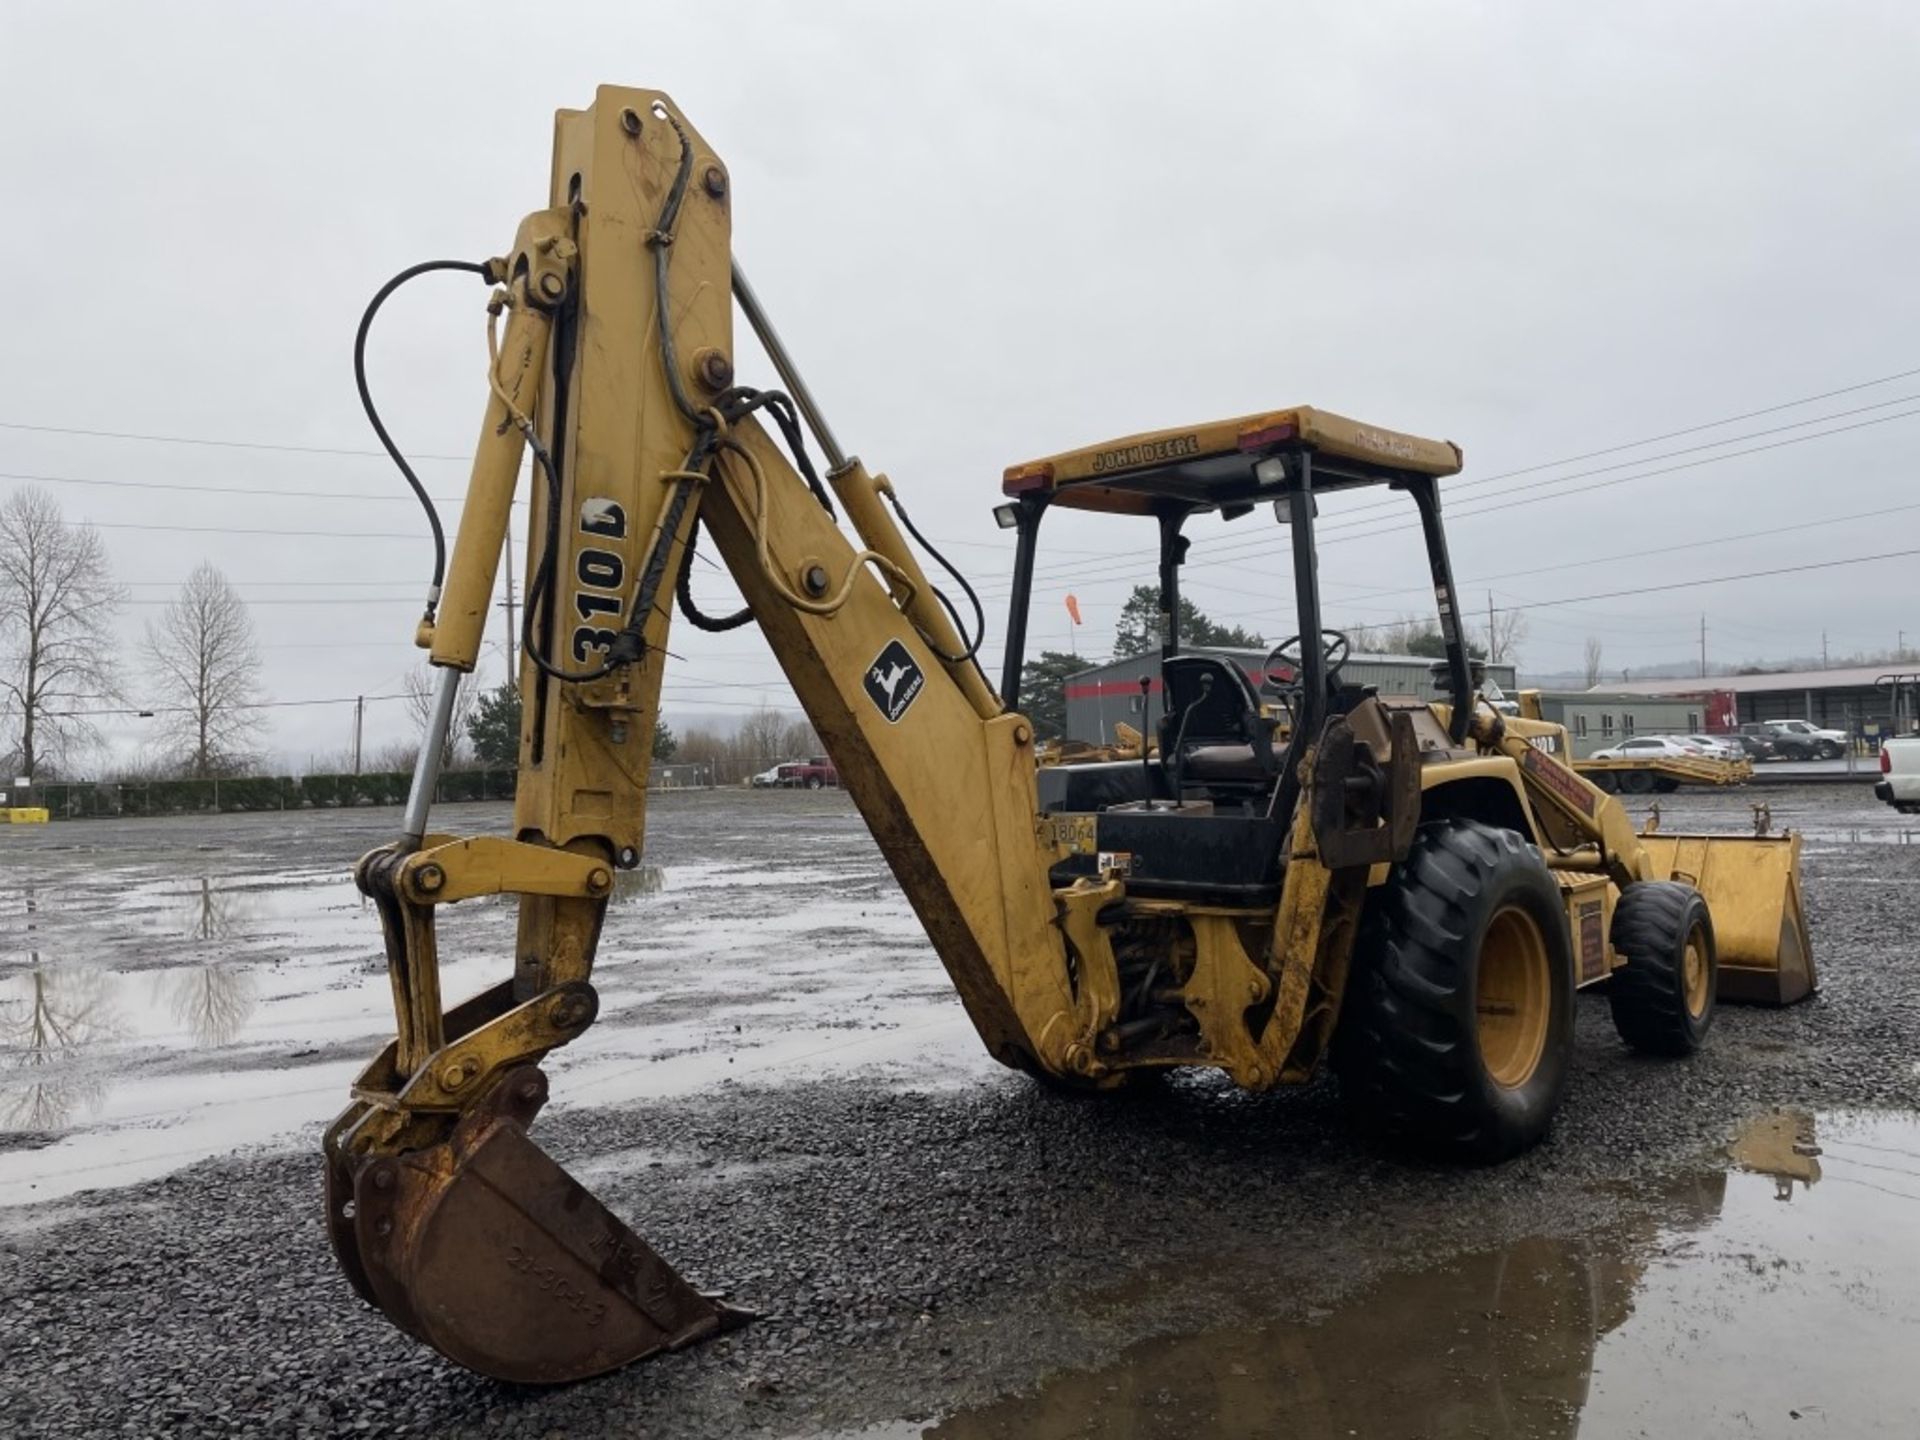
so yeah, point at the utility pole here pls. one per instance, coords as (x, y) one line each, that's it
(359, 716)
(1493, 654)
(1703, 646)
(1823, 649)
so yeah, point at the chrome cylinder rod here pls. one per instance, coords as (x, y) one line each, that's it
(426, 769)
(783, 364)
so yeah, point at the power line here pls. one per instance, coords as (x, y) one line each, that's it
(1259, 546)
(309, 600)
(1455, 488)
(1695, 429)
(1715, 580)
(1333, 534)
(224, 444)
(246, 491)
(250, 705)
(1636, 554)
(246, 530)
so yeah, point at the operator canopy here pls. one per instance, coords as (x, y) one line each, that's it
(1211, 466)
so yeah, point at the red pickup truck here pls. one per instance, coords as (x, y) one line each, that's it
(812, 774)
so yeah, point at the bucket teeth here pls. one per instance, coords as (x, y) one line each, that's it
(489, 1251)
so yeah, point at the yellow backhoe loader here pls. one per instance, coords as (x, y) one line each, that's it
(1317, 875)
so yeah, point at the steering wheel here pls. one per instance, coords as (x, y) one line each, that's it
(1334, 648)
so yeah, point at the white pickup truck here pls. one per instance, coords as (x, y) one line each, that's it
(1900, 775)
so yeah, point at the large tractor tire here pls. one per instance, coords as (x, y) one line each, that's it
(1663, 997)
(1457, 1030)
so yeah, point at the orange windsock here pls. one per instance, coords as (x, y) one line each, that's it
(1073, 609)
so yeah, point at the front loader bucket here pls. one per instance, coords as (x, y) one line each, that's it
(1752, 888)
(491, 1253)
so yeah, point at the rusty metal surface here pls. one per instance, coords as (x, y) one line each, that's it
(487, 1250)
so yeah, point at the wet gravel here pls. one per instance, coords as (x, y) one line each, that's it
(915, 1251)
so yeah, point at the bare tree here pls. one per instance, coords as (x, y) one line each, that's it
(762, 738)
(1505, 630)
(206, 666)
(421, 683)
(57, 603)
(1593, 661)
(798, 739)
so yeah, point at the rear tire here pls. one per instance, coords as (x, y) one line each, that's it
(1663, 997)
(1458, 1026)
(814, 782)
(1636, 782)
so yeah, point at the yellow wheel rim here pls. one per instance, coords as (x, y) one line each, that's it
(1514, 997)
(1694, 974)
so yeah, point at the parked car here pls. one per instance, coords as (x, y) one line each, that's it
(1717, 747)
(813, 774)
(766, 779)
(1801, 739)
(1754, 746)
(1899, 784)
(1828, 744)
(1650, 747)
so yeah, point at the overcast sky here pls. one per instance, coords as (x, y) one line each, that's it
(992, 232)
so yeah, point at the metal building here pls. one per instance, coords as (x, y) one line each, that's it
(1864, 700)
(1596, 719)
(1105, 695)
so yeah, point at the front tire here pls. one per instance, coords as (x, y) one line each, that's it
(1663, 997)
(1457, 1032)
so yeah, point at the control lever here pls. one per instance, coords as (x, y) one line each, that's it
(1146, 762)
(1180, 737)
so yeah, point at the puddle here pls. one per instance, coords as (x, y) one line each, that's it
(156, 1010)
(1782, 1298)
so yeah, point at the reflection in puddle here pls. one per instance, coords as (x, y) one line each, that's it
(1726, 1305)
(49, 1016)
(212, 1001)
(1780, 1145)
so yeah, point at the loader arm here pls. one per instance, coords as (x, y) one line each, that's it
(614, 369)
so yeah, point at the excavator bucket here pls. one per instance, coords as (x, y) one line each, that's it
(488, 1251)
(1752, 888)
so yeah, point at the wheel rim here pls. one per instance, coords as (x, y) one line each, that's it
(1694, 973)
(1513, 997)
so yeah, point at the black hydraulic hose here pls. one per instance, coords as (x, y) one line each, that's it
(683, 590)
(972, 647)
(373, 414)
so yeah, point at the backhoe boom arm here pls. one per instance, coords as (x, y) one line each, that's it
(641, 442)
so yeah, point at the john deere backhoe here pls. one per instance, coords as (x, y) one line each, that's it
(1312, 875)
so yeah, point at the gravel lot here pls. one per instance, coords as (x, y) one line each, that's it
(924, 1238)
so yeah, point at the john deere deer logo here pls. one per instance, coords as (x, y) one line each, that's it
(893, 680)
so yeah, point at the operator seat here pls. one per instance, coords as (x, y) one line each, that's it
(1214, 732)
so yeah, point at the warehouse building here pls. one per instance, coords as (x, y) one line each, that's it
(1105, 695)
(1868, 700)
(1596, 719)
